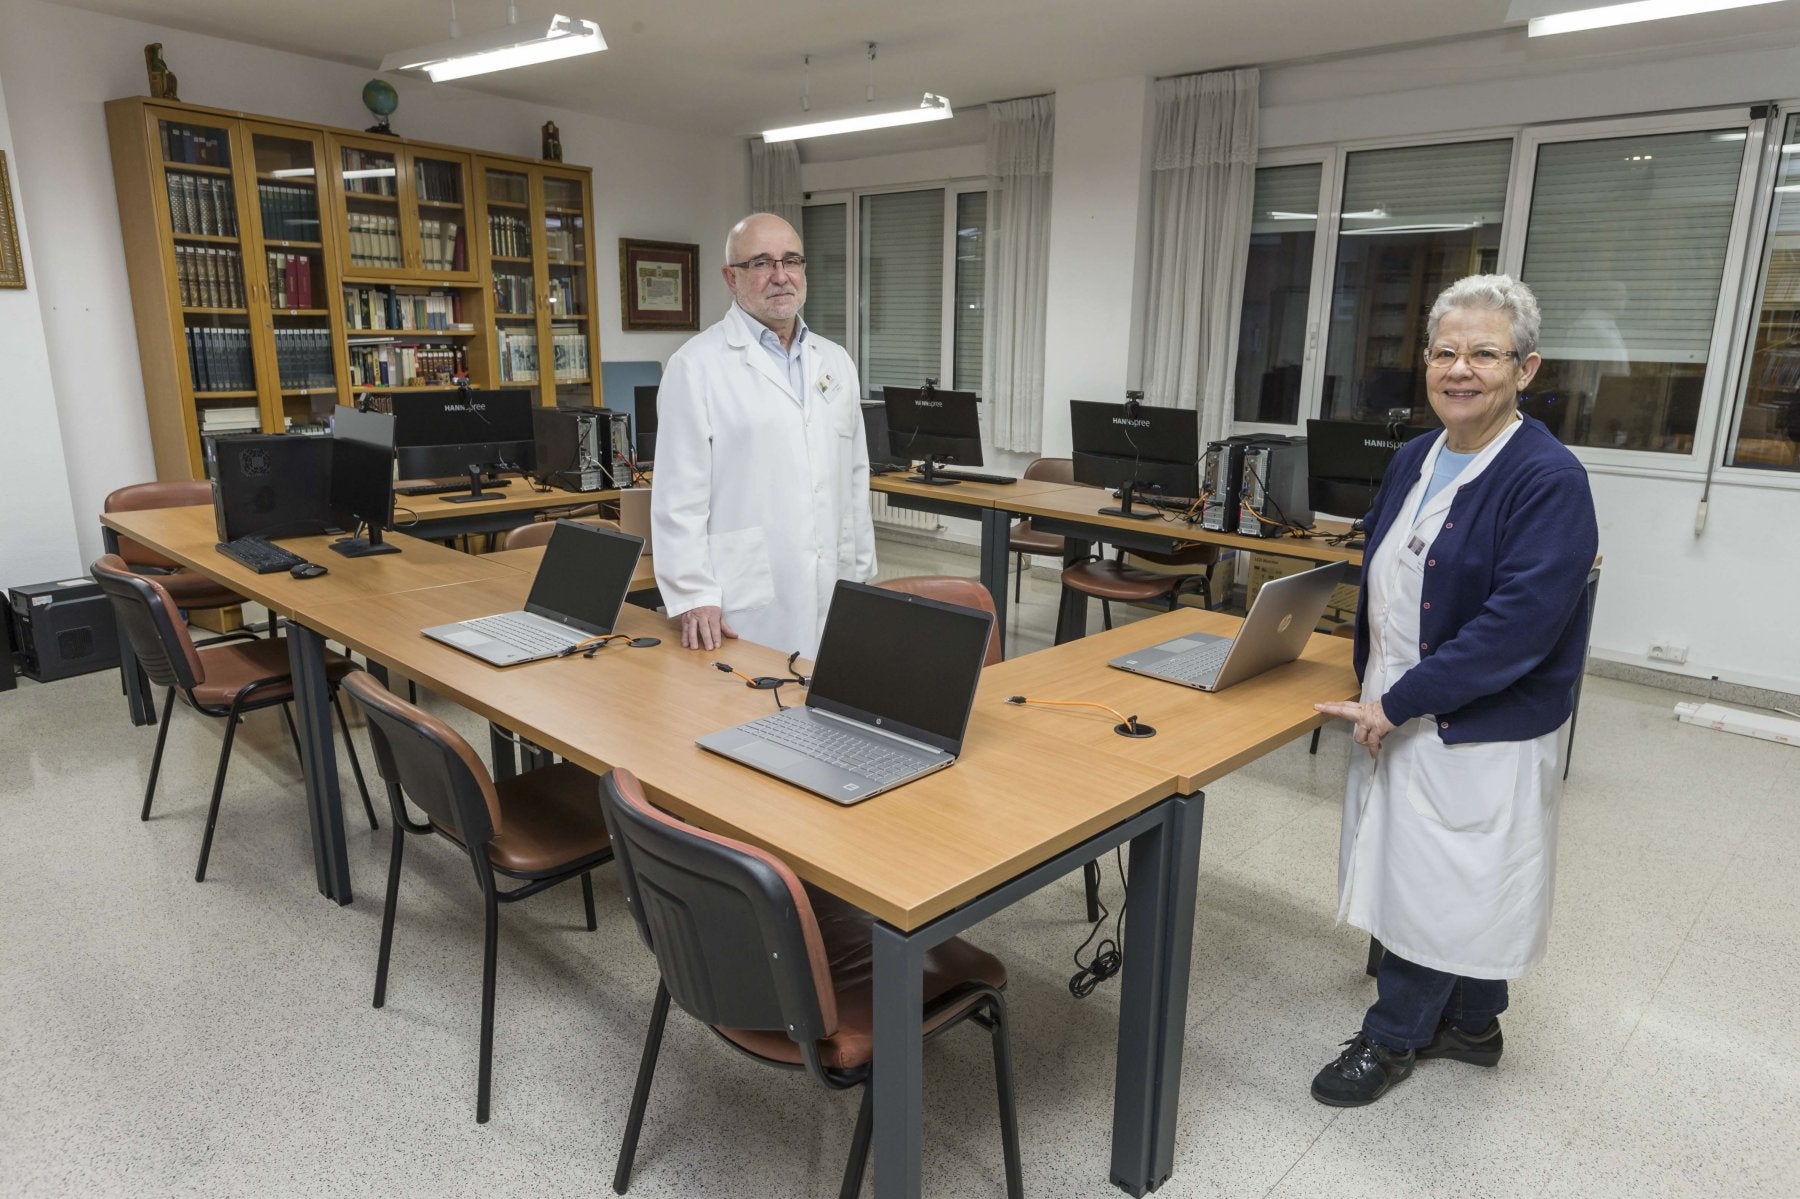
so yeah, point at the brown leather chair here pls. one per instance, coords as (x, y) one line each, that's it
(228, 677)
(1026, 540)
(1111, 581)
(952, 590)
(538, 532)
(779, 970)
(542, 827)
(189, 589)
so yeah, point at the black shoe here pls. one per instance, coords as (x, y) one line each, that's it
(1363, 1073)
(1477, 1048)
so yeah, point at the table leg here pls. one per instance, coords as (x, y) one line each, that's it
(1071, 612)
(996, 533)
(898, 1080)
(138, 699)
(1165, 868)
(318, 758)
(500, 752)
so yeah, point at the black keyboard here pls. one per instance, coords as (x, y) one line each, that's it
(260, 554)
(447, 488)
(969, 476)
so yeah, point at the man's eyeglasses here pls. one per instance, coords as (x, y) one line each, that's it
(762, 264)
(1483, 358)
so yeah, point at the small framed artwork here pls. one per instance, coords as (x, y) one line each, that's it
(12, 263)
(659, 286)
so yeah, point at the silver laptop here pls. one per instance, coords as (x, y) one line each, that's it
(1284, 615)
(577, 593)
(634, 514)
(888, 702)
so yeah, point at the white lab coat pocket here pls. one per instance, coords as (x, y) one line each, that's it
(846, 416)
(740, 562)
(1468, 788)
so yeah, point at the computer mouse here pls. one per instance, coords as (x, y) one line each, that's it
(307, 570)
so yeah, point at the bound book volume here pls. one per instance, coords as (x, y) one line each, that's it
(201, 205)
(291, 280)
(209, 276)
(289, 213)
(391, 308)
(219, 358)
(393, 365)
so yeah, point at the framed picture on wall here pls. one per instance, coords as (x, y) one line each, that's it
(12, 263)
(658, 285)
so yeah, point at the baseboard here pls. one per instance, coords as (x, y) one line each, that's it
(1713, 689)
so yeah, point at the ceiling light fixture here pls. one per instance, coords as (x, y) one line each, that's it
(1600, 16)
(931, 107)
(512, 45)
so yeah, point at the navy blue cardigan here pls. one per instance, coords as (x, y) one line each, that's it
(1504, 619)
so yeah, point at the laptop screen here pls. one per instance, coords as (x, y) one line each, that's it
(904, 662)
(584, 576)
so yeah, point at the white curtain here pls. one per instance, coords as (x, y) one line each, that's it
(1202, 193)
(1020, 135)
(775, 180)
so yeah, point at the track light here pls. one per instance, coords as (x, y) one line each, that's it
(512, 45)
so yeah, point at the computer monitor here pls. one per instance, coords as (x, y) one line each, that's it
(440, 435)
(362, 479)
(1135, 447)
(271, 485)
(926, 424)
(1345, 461)
(644, 421)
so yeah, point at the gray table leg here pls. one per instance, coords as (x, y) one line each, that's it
(1165, 868)
(996, 532)
(137, 688)
(318, 757)
(1072, 608)
(899, 1075)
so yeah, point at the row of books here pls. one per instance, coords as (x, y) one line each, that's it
(518, 355)
(510, 236)
(406, 365)
(202, 147)
(513, 294)
(234, 418)
(289, 213)
(291, 280)
(209, 276)
(560, 246)
(386, 308)
(504, 187)
(367, 173)
(201, 204)
(569, 353)
(219, 358)
(303, 359)
(375, 239)
(565, 297)
(443, 245)
(439, 182)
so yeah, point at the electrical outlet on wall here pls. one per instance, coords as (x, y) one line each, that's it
(1668, 651)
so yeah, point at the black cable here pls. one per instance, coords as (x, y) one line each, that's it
(1109, 954)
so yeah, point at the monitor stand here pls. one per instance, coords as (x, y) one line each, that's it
(363, 547)
(1126, 494)
(928, 475)
(475, 491)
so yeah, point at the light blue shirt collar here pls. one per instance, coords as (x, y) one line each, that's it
(786, 358)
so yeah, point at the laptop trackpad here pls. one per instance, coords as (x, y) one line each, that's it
(768, 757)
(1183, 644)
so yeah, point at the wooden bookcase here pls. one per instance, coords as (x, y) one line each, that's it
(278, 268)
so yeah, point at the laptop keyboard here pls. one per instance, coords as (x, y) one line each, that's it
(523, 635)
(836, 747)
(1198, 665)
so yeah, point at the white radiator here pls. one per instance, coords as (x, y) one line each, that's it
(900, 518)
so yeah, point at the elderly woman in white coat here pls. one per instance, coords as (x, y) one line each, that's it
(1470, 635)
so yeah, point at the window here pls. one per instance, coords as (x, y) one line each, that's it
(1626, 248)
(1414, 220)
(827, 249)
(900, 317)
(971, 274)
(1277, 294)
(1768, 420)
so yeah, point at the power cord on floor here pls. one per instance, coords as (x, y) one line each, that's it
(1108, 957)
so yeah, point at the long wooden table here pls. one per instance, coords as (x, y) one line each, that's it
(441, 518)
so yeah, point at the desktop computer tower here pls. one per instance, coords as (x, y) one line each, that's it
(1273, 482)
(1221, 469)
(64, 629)
(582, 449)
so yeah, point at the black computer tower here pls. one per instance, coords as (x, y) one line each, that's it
(1272, 488)
(582, 448)
(64, 629)
(8, 670)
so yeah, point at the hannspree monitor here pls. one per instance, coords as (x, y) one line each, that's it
(928, 425)
(362, 479)
(1135, 447)
(464, 432)
(1345, 461)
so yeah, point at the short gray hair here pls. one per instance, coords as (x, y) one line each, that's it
(1495, 293)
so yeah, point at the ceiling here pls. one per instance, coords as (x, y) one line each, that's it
(725, 67)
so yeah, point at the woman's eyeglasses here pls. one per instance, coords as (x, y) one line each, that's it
(1482, 358)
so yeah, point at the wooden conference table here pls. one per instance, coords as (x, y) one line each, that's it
(1038, 792)
(440, 518)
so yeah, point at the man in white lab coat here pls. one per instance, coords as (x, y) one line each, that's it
(761, 500)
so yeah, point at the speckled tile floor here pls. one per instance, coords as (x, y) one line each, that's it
(159, 1037)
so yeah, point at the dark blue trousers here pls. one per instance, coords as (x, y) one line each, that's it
(1412, 1000)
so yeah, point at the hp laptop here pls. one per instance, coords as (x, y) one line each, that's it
(634, 514)
(1284, 615)
(888, 702)
(577, 592)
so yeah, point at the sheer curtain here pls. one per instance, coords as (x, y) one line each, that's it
(1020, 134)
(775, 179)
(1202, 193)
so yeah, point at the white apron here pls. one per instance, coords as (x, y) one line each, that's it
(1449, 851)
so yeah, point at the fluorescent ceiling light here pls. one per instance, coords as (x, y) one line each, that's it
(1607, 15)
(369, 173)
(931, 108)
(1445, 227)
(512, 45)
(1277, 215)
(293, 173)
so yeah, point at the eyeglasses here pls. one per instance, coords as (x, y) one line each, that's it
(763, 265)
(1482, 358)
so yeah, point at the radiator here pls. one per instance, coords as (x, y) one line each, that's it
(900, 518)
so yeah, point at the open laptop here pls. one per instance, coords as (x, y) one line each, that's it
(634, 514)
(888, 702)
(1284, 615)
(577, 593)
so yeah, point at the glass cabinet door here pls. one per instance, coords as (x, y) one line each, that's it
(440, 195)
(293, 281)
(567, 287)
(370, 177)
(510, 248)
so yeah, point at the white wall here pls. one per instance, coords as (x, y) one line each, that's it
(59, 65)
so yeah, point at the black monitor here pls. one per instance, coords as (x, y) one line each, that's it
(271, 485)
(439, 435)
(927, 424)
(1135, 447)
(643, 441)
(1345, 461)
(362, 479)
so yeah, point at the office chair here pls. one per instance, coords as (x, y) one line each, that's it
(952, 590)
(1114, 581)
(779, 970)
(542, 827)
(228, 677)
(538, 532)
(1023, 539)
